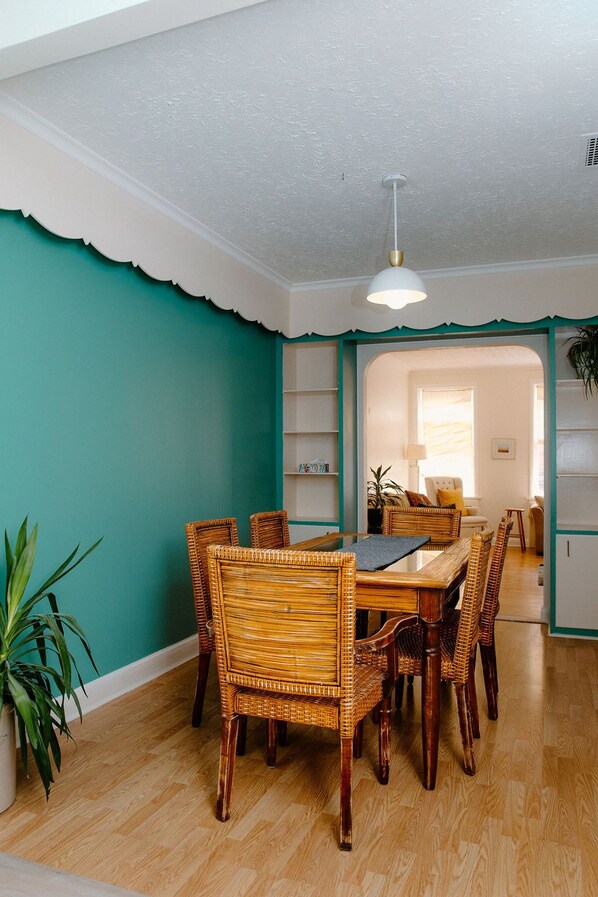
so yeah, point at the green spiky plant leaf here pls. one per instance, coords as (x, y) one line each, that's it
(582, 355)
(38, 672)
(377, 486)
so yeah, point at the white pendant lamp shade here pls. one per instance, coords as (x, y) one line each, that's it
(396, 286)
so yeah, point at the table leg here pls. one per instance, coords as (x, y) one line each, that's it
(430, 701)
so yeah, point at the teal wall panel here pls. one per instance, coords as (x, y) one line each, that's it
(126, 409)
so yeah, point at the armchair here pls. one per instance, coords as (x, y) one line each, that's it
(536, 513)
(471, 520)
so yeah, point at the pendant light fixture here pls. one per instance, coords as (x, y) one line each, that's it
(396, 286)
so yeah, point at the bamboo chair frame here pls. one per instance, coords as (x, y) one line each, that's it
(441, 524)
(490, 608)
(284, 624)
(200, 534)
(457, 644)
(269, 529)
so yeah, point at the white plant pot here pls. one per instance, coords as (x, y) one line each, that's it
(8, 758)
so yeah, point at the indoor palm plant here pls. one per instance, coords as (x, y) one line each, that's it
(37, 668)
(378, 488)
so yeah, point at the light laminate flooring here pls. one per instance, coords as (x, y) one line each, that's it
(21, 878)
(521, 598)
(134, 804)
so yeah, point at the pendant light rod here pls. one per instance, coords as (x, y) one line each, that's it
(396, 286)
(395, 181)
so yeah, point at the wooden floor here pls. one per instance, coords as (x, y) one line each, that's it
(134, 805)
(521, 597)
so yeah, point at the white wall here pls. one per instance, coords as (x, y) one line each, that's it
(386, 400)
(516, 292)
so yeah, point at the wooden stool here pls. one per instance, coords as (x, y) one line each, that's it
(519, 523)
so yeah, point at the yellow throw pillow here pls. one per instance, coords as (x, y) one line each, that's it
(451, 497)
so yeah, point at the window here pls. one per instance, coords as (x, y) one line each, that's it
(445, 424)
(537, 472)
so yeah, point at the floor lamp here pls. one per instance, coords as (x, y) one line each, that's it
(414, 452)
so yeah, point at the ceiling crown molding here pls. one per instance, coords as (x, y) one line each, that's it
(42, 128)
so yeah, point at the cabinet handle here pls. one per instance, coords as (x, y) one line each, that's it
(568, 554)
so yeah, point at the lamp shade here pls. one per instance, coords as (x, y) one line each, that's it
(415, 452)
(396, 287)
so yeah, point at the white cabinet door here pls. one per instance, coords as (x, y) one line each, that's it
(577, 582)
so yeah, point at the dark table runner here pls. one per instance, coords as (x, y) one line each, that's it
(378, 552)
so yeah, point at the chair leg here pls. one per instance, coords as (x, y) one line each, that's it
(271, 743)
(488, 655)
(361, 623)
(346, 834)
(358, 740)
(384, 740)
(242, 736)
(472, 697)
(399, 689)
(465, 726)
(281, 732)
(203, 665)
(228, 739)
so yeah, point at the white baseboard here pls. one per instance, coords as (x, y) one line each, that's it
(121, 681)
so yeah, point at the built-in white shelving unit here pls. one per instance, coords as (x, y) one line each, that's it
(576, 556)
(310, 409)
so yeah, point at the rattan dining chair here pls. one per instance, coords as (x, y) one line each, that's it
(457, 644)
(441, 524)
(284, 624)
(486, 642)
(269, 529)
(200, 534)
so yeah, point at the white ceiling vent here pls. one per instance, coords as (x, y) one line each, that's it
(591, 150)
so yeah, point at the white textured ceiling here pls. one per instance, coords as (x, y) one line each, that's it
(273, 126)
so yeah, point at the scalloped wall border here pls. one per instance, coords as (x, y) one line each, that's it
(72, 200)
(75, 194)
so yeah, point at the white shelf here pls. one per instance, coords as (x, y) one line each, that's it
(326, 390)
(566, 473)
(296, 473)
(577, 526)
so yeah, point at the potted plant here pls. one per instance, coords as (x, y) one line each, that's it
(37, 667)
(582, 355)
(378, 488)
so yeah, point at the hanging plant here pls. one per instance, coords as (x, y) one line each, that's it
(582, 355)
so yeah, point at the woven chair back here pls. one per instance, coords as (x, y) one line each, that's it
(284, 621)
(471, 602)
(441, 524)
(269, 529)
(200, 534)
(491, 605)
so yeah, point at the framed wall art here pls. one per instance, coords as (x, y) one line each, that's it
(503, 449)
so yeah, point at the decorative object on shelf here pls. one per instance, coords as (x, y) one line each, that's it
(415, 452)
(396, 286)
(582, 355)
(37, 667)
(380, 492)
(314, 467)
(503, 449)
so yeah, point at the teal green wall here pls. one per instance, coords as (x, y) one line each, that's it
(126, 409)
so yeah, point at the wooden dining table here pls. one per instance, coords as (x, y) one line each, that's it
(422, 583)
